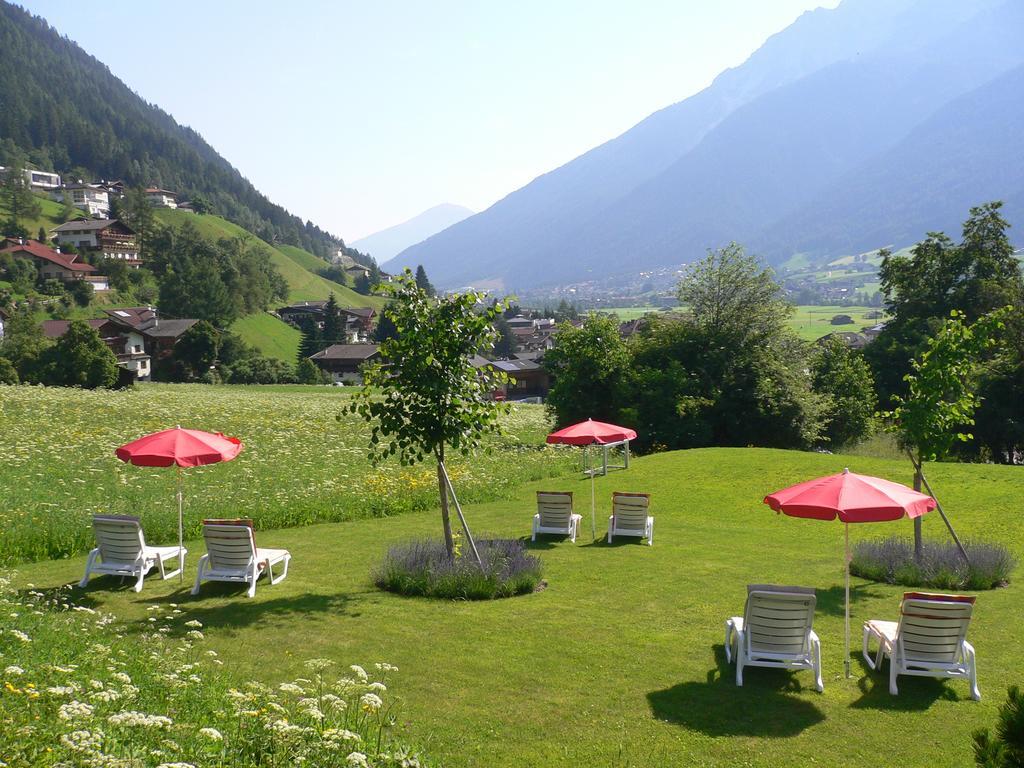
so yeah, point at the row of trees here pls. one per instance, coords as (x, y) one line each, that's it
(78, 359)
(729, 371)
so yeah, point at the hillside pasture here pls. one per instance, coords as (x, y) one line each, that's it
(619, 661)
(814, 321)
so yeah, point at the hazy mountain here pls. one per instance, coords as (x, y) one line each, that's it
(390, 242)
(827, 95)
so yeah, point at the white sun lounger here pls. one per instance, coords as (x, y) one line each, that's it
(555, 515)
(121, 550)
(775, 631)
(629, 516)
(232, 555)
(927, 641)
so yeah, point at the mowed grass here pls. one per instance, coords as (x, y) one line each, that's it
(619, 662)
(271, 335)
(304, 461)
(812, 322)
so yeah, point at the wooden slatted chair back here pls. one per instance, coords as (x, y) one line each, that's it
(230, 543)
(932, 627)
(777, 620)
(119, 538)
(554, 508)
(630, 510)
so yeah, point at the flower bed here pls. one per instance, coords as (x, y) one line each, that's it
(941, 566)
(422, 567)
(80, 689)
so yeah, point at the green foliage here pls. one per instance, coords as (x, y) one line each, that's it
(8, 373)
(942, 389)
(423, 282)
(505, 345)
(427, 395)
(262, 370)
(1006, 748)
(840, 375)
(17, 202)
(306, 372)
(334, 323)
(197, 348)
(82, 292)
(79, 359)
(385, 328)
(24, 344)
(21, 273)
(201, 205)
(590, 368)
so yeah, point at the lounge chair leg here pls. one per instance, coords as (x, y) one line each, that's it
(865, 640)
(728, 641)
(142, 576)
(252, 579)
(270, 570)
(819, 685)
(650, 534)
(972, 670)
(88, 567)
(200, 570)
(893, 666)
(739, 659)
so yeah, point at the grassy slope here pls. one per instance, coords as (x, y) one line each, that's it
(270, 335)
(620, 660)
(812, 322)
(50, 217)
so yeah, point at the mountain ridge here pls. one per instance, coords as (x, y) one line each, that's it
(389, 242)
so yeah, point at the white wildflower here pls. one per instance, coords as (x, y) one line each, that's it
(83, 741)
(212, 734)
(20, 635)
(359, 672)
(370, 702)
(14, 670)
(377, 687)
(298, 690)
(318, 665)
(194, 623)
(385, 667)
(194, 634)
(140, 720)
(74, 710)
(104, 696)
(357, 759)
(122, 677)
(61, 690)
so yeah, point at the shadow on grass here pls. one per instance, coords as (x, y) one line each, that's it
(241, 611)
(832, 601)
(916, 693)
(763, 707)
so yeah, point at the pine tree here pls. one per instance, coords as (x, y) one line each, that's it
(17, 200)
(423, 282)
(334, 323)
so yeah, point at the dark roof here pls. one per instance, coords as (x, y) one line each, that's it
(366, 312)
(168, 329)
(99, 224)
(347, 352)
(39, 250)
(136, 317)
(157, 190)
(54, 329)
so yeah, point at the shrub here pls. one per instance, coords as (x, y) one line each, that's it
(1006, 749)
(422, 567)
(80, 688)
(941, 567)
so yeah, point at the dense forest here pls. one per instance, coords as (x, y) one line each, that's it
(64, 111)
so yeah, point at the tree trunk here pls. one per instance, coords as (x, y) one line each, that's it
(918, 542)
(449, 542)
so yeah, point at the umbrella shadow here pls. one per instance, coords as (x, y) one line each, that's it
(916, 693)
(208, 607)
(765, 706)
(832, 600)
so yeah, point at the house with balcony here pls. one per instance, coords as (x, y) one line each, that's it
(53, 265)
(127, 344)
(159, 334)
(161, 198)
(91, 198)
(344, 362)
(106, 238)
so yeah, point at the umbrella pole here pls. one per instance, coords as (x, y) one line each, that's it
(181, 534)
(593, 518)
(846, 658)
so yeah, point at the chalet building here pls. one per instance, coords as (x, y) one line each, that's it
(295, 314)
(109, 238)
(358, 320)
(127, 344)
(363, 317)
(849, 338)
(344, 362)
(161, 198)
(91, 198)
(54, 265)
(357, 270)
(159, 335)
(527, 377)
(42, 180)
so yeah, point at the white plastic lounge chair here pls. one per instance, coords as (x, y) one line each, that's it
(927, 641)
(121, 550)
(555, 515)
(775, 631)
(629, 516)
(232, 555)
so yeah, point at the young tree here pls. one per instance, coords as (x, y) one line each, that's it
(24, 345)
(82, 292)
(17, 200)
(1006, 748)
(362, 284)
(197, 348)
(427, 397)
(942, 394)
(8, 373)
(841, 375)
(505, 345)
(139, 212)
(385, 328)
(334, 323)
(306, 372)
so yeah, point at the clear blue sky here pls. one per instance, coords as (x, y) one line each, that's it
(361, 115)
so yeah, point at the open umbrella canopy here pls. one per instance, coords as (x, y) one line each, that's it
(850, 497)
(183, 447)
(591, 432)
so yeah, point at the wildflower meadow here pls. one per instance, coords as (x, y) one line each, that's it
(304, 462)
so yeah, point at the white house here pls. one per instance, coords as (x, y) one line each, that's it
(42, 179)
(161, 198)
(91, 198)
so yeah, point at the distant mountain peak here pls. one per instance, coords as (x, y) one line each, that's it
(388, 243)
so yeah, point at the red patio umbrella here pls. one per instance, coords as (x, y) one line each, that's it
(589, 433)
(180, 448)
(851, 498)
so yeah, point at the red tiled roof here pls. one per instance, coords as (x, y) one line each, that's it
(54, 329)
(37, 249)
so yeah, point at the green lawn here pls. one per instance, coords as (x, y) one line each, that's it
(620, 660)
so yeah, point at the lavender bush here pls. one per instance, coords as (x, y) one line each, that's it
(942, 566)
(421, 567)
